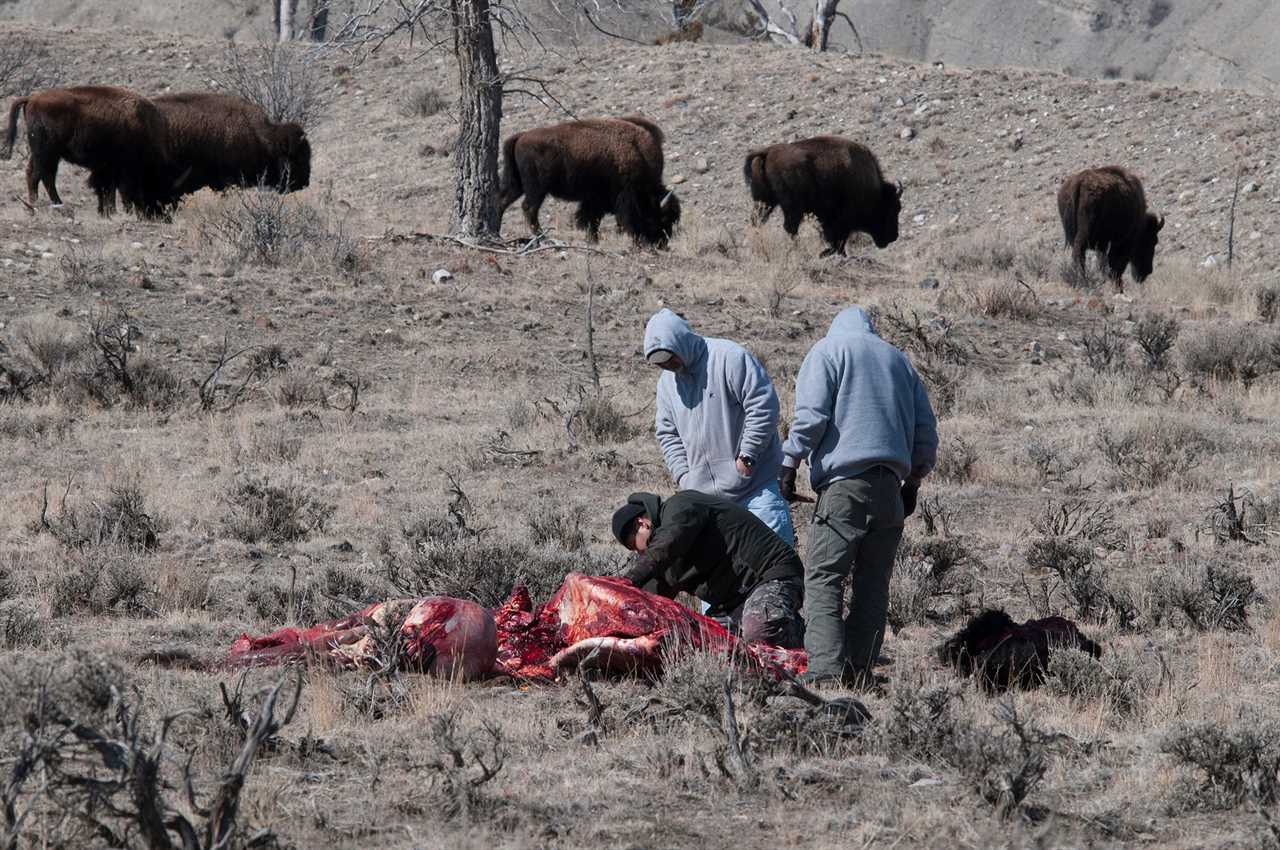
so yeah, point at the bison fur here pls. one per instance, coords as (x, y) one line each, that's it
(836, 180)
(1105, 209)
(1004, 654)
(118, 135)
(218, 141)
(607, 165)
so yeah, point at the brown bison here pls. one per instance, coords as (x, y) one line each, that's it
(219, 141)
(837, 180)
(118, 135)
(607, 165)
(1105, 209)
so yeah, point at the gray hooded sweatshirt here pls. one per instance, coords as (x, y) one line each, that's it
(859, 404)
(720, 406)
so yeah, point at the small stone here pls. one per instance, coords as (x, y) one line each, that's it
(136, 245)
(918, 218)
(927, 782)
(1036, 347)
(678, 179)
(1210, 262)
(441, 275)
(1250, 187)
(899, 102)
(907, 134)
(930, 283)
(701, 165)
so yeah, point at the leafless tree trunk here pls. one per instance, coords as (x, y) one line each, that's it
(319, 23)
(284, 19)
(480, 113)
(824, 15)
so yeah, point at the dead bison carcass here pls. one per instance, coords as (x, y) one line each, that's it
(1004, 654)
(118, 135)
(218, 141)
(836, 180)
(607, 165)
(1105, 209)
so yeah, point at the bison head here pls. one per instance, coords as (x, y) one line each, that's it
(1144, 252)
(293, 159)
(884, 229)
(668, 215)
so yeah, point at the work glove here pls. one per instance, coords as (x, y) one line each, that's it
(787, 485)
(787, 482)
(910, 491)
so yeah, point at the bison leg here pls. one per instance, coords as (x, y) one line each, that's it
(43, 170)
(836, 238)
(791, 219)
(588, 218)
(1117, 259)
(530, 206)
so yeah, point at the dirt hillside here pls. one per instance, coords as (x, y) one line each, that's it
(327, 402)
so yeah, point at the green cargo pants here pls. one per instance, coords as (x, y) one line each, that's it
(857, 525)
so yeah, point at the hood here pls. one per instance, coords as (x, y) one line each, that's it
(669, 331)
(851, 320)
(652, 504)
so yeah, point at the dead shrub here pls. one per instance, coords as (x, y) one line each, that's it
(97, 581)
(1072, 563)
(1104, 350)
(1231, 353)
(47, 347)
(1267, 301)
(981, 253)
(1153, 452)
(258, 510)
(283, 79)
(1006, 762)
(1006, 300)
(929, 570)
(1236, 763)
(1217, 596)
(25, 66)
(465, 760)
(300, 389)
(21, 626)
(84, 271)
(424, 102)
(118, 374)
(1115, 681)
(932, 339)
(1052, 463)
(921, 722)
(598, 420)
(693, 681)
(558, 527)
(956, 459)
(1088, 520)
(263, 227)
(1155, 335)
(120, 519)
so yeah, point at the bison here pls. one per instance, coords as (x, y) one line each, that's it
(1004, 654)
(607, 165)
(1105, 209)
(837, 180)
(117, 134)
(219, 141)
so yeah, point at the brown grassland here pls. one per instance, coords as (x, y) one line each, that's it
(376, 429)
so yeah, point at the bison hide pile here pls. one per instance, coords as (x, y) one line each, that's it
(591, 621)
(1006, 654)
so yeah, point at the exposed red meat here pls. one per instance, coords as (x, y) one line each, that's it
(602, 621)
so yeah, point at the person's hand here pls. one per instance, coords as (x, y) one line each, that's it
(744, 468)
(910, 493)
(787, 485)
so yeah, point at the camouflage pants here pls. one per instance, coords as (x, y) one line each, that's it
(771, 613)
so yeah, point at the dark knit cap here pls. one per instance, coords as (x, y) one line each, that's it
(623, 517)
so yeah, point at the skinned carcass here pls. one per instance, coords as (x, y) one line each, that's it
(600, 622)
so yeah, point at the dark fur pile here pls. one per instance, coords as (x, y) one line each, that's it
(607, 165)
(117, 134)
(1004, 654)
(1105, 209)
(836, 180)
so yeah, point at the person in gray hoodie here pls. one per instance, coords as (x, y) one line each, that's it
(864, 423)
(717, 419)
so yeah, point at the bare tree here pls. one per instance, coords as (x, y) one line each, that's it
(783, 26)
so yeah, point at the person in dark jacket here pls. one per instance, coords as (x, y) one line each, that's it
(720, 552)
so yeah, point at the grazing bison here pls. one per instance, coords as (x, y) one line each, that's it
(1105, 209)
(1006, 654)
(607, 165)
(219, 141)
(837, 180)
(118, 135)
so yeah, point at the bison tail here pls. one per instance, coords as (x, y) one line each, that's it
(11, 135)
(1068, 207)
(757, 180)
(511, 187)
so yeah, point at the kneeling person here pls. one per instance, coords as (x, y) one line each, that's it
(720, 552)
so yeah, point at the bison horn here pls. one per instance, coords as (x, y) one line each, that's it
(1159, 223)
(898, 187)
(666, 199)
